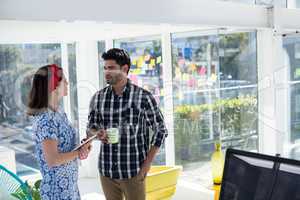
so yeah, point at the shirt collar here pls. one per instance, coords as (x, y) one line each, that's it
(125, 89)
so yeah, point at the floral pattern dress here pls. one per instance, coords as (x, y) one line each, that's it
(59, 182)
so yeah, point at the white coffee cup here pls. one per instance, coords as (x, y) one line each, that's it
(113, 135)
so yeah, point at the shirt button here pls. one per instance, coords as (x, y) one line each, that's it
(116, 150)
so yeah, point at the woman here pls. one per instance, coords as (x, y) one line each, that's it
(54, 136)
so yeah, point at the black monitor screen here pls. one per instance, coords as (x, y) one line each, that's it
(287, 186)
(253, 176)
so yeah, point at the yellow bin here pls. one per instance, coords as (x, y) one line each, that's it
(161, 182)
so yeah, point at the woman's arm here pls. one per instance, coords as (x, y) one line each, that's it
(54, 158)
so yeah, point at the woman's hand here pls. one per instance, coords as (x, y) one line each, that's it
(84, 151)
(55, 158)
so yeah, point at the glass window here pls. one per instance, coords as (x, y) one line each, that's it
(215, 96)
(238, 90)
(101, 50)
(291, 46)
(294, 3)
(241, 1)
(73, 84)
(18, 63)
(146, 70)
(146, 67)
(280, 3)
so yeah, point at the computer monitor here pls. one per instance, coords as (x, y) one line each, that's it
(253, 176)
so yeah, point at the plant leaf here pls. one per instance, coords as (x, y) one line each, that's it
(37, 184)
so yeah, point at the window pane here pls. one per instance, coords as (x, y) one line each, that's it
(238, 91)
(73, 84)
(291, 46)
(18, 62)
(241, 1)
(215, 97)
(146, 70)
(146, 67)
(195, 65)
(294, 3)
(279, 3)
(101, 50)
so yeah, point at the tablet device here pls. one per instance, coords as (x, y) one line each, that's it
(88, 140)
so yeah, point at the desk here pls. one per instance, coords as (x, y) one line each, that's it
(161, 182)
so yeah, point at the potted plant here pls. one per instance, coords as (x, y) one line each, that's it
(34, 191)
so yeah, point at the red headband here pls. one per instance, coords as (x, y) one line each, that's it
(55, 77)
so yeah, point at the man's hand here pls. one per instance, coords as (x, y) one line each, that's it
(102, 135)
(144, 169)
(147, 163)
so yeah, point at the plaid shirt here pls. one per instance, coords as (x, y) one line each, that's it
(134, 113)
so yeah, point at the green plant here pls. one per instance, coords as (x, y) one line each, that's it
(194, 124)
(34, 190)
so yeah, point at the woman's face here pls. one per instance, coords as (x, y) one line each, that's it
(62, 88)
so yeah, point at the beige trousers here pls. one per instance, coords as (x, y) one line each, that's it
(128, 189)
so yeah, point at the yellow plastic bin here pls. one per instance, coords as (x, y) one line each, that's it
(161, 182)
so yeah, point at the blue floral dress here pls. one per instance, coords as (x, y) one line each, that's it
(60, 182)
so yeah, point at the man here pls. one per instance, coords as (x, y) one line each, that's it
(123, 166)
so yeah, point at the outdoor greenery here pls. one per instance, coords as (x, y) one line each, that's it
(234, 117)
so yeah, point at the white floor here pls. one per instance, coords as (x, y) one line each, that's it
(193, 183)
(90, 189)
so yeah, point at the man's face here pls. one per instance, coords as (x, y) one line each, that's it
(113, 72)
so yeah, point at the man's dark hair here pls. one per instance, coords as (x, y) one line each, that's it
(119, 55)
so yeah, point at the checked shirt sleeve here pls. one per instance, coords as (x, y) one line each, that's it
(94, 117)
(155, 119)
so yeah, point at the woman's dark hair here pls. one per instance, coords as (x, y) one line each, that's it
(119, 55)
(40, 89)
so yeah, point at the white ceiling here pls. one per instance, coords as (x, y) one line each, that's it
(45, 31)
(192, 12)
(66, 20)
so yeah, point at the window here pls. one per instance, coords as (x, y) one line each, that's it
(280, 3)
(146, 67)
(146, 70)
(101, 50)
(18, 63)
(294, 3)
(291, 46)
(215, 95)
(73, 84)
(241, 1)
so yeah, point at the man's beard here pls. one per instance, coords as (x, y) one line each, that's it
(114, 80)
